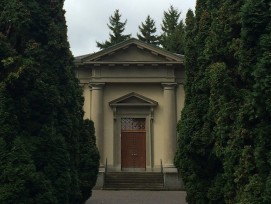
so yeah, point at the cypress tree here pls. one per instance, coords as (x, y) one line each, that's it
(88, 166)
(20, 181)
(227, 69)
(117, 27)
(222, 48)
(212, 102)
(195, 156)
(242, 143)
(40, 101)
(254, 167)
(172, 38)
(147, 31)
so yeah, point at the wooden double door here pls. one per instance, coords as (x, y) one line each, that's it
(133, 144)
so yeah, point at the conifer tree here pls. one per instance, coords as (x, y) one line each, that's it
(210, 106)
(222, 47)
(20, 181)
(253, 170)
(227, 78)
(88, 166)
(117, 28)
(195, 157)
(40, 103)
(172, 38)
(239, 86)
(147, 32)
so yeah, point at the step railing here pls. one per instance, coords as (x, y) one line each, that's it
(162, 172)
(161, 163)
(105, 170)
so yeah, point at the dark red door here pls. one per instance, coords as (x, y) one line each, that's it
(133, 149)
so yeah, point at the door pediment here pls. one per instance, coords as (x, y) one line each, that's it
(133, 99)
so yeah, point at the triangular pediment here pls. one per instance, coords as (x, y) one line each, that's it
(131, 50)
(133, 99)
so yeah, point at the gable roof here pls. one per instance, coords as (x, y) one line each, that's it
(133, 99)
(97, 57)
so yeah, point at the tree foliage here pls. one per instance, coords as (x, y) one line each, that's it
(20, 180)
(88, 166)
(254, 185)
(172, 38)
(41, 115)
(117, 28)
(224, 147)
(147, 32)
(196, 154)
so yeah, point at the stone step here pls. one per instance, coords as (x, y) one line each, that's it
(132, 180)
(145, 185)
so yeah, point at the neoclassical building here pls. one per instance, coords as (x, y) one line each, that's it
(134, 93)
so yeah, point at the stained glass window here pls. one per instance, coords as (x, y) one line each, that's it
(133, 124)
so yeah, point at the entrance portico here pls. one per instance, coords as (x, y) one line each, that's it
(133, 117)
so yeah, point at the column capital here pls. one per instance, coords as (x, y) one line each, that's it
(96, 86)
(169, 86)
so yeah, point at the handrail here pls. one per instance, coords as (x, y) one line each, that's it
(106, 165)
(161, 165)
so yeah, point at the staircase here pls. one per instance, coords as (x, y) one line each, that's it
(134, 181)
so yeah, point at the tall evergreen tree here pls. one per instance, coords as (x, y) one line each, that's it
(20, 181)
(222, 47)
(253, 170)
(213, 80)
(195, 157)
(227, 78)
(40, 104)
(241, 111)
(88, 166)
(147, 32)
(172, 38)
(117, 27)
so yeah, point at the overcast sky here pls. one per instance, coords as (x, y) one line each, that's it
(87, 19)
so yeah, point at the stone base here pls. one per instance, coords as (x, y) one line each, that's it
(100, 180)
(171, 169)
(172, 181)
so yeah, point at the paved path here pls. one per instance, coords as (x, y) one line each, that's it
(137, 197)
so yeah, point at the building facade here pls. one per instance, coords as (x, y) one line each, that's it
(134, 93)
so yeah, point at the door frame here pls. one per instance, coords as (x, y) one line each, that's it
(133, 105)
(133, 113)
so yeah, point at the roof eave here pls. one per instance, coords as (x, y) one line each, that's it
(97, 55)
